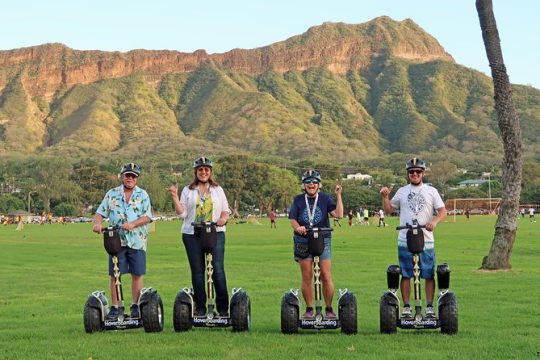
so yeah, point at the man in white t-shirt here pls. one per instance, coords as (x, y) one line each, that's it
(381, 218)
(416, 201)
(531, 215)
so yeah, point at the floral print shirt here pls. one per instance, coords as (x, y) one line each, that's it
(204, 207)
(119, 212)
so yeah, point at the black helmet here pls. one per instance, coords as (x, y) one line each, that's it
(311, 174)
(416, 163)
(202, 161)
(131, 168)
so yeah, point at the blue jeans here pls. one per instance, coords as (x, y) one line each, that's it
(197, 263)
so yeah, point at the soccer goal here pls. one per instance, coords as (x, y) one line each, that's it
(474, 206)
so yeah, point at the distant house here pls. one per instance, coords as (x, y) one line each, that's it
(471, 183)
(360, 176)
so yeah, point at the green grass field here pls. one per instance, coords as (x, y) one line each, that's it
(48, 271)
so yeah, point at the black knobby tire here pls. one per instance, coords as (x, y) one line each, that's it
(289, 318)
(389, 318)
(181, 316)
(241, 314)
(348, 317)
(448, 315)
(152, 314)
(92, 319)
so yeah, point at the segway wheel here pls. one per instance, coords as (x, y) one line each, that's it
(289, 318)
(389, 318)
(92, 319)
(181, 316)
(152, 314)
(448, 315)
(348, 317)
(241, 315)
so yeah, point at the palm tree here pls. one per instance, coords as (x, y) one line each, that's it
(506, 226)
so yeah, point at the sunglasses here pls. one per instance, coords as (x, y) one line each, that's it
(311, 181)
(417, 172)
(130, 176)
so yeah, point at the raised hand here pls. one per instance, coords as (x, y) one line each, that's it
(173, 191)
(385, 191)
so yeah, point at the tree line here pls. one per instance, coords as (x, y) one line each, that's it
(73, 188)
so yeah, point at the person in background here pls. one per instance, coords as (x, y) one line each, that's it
(531, 215)
(358, 218)
(366, 217)
(381, 218)
(350, 215)
(272, 216)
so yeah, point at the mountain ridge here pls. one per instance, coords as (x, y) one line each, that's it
(349, 47)
(337, 91)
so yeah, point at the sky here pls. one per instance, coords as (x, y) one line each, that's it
(218, 26)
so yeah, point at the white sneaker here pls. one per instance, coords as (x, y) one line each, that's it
(406, 312)
(430, 312)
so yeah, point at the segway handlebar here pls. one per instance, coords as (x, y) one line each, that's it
(113, 228)
(409, 226)
(308, 229)
(201, 224)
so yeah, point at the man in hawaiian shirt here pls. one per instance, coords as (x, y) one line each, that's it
(128, 207)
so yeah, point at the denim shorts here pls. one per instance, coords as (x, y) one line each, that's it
(129, 261)
(302, 243)
(426, 263)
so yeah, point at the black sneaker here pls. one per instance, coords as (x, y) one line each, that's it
(114, 313)
(199, 312)
(135, 311)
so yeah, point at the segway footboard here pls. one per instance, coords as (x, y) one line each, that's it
(122, 324)
(322, 324)
(207, 320)
(97, 303)
(424, 323)
(319, 323)
(211, 321)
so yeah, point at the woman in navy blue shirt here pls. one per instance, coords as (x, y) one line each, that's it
(311, 209)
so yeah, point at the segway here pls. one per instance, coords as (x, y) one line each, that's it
(97, 308)
(184, 317)
(447, 318)
(290, 303)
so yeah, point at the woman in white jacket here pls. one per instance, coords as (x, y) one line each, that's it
(203, 200)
